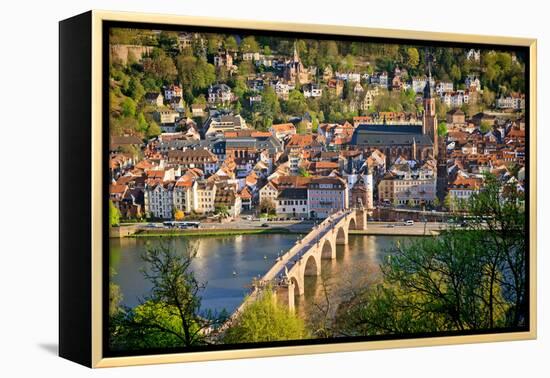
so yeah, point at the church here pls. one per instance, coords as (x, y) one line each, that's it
(413, 141)
(295, 71)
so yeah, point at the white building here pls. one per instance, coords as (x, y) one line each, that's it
(292, 203)
(462, 189)
(183, 194)
(158, 200)
(327, 195)
(455, 99)
(220, 93)
(224, 122)
(353, 77)
(268, 192)
(204, 196)
(511, 102)
(403, 185)
(312, 90)
(172, 91)
(472, 83)
(418, 83)
(443, 87)
(282, 89)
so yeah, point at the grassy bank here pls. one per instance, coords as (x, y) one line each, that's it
(226, 232)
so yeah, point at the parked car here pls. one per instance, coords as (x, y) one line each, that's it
(264, 225)
(408, 223)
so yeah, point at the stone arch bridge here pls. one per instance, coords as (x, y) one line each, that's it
(288, 274)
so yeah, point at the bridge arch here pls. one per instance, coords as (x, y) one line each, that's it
(298, 287)
(312, 267)
(328, 251)
(352, 224)
(342, 235)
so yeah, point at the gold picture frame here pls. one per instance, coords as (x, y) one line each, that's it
(92, 355)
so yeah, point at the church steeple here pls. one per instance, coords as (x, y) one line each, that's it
(428, 90)
(429, 121)
(296, 56)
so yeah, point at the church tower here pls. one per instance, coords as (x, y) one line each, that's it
(429, 121)
(296, 57)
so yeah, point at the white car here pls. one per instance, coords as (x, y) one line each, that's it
(409, 223)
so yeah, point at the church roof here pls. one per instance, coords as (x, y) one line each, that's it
(387, 135)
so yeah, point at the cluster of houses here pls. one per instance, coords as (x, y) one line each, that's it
(224, 167)
(311, 175)
(471, 153)
(287, 72)
(239, 170)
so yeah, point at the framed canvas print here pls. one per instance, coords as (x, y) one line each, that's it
(235, 189)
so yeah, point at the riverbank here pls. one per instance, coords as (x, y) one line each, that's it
(398, 229)
(208, 232)
(373, 228)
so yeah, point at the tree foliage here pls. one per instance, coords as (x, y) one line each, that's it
(160, 66)
(442, 129)
(171, 315)
(468, 278)
(485, 126)
(179, 215)
(195, 74)
(114, 214)
(266, 320)
(249, 44)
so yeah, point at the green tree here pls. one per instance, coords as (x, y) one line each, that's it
(265, 320)
(114, 214)
(488, 97)
(135, 89)
(153, 130)
(128, 107)
(448, 202)
(455, 74)
(238, 107)
(230, 43)
(303, 172)
(214, 43)
(249, 44)
(195, 74)
(222, 211)
(301, 127)
(170, 316)
(115, 298)
(142, 123)
(160, 66)
(199, 100)
(485, 126)
(267, 206)
(468, 278)
(270, 101)
(413, 58)
(441, 109)
(168, 40)
(296, 103)
(442, 129)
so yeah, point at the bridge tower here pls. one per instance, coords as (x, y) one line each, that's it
(361, 219)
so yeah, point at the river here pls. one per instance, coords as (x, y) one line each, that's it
(228, 264)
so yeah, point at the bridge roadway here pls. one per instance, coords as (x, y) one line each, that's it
(283, 266)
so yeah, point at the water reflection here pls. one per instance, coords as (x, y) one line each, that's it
(228, 264)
